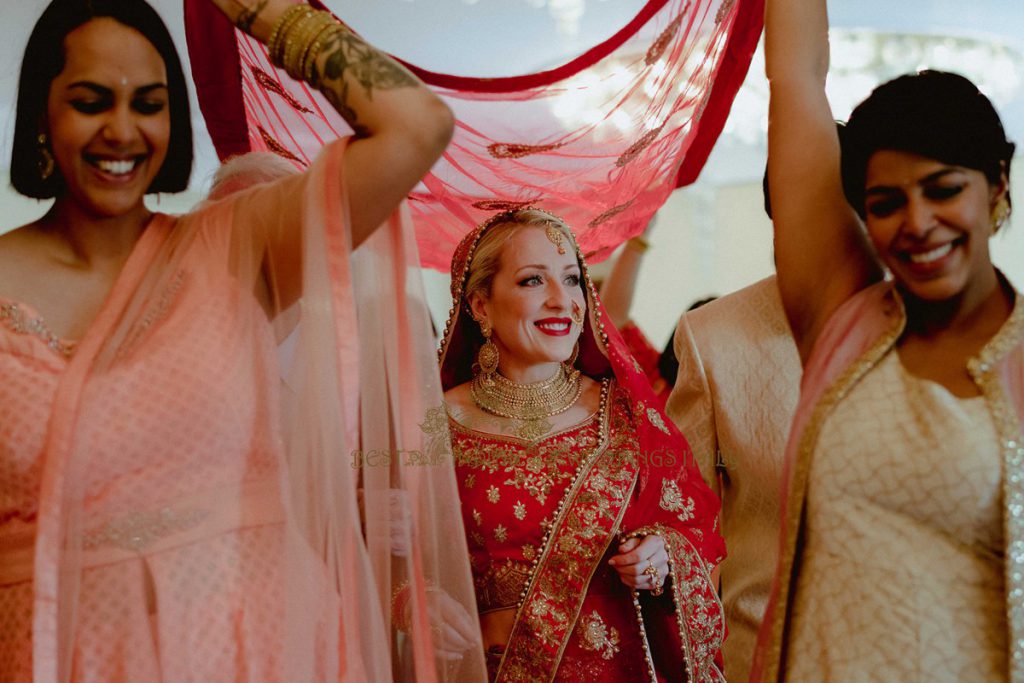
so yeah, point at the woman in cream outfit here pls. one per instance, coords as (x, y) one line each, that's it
(899, 555)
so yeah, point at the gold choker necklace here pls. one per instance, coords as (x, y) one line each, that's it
(498, 395)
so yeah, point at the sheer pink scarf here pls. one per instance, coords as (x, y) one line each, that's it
(266, 482)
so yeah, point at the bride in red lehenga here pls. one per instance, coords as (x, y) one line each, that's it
(592, 536)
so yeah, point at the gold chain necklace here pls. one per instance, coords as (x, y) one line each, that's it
(498, 395)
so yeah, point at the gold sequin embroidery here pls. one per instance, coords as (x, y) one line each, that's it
(596, 636)
(672, 500)
(15, 319)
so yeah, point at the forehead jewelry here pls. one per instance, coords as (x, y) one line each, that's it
(556, 237)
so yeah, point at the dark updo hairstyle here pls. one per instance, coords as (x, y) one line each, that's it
(935, 114)
(44, 60)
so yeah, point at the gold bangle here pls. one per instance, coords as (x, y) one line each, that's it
(301, 38)
(275, 44)
(310, 73)
(313, 46)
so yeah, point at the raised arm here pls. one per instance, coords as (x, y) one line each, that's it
(822, 256)
(618, 288)
(401, 128)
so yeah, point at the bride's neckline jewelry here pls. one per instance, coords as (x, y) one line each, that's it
(495, 394)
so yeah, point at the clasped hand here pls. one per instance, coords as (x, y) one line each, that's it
(638, 554)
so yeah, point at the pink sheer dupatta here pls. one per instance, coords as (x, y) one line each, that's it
(206, 513)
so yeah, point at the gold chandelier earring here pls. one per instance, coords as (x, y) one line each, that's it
(487, 357)
(1000, 214)
(45, 162)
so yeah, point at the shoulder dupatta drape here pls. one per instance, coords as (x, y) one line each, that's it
(602, 140)
(300, 468)
(857, 337)
(641, 480)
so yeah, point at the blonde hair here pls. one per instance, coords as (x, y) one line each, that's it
(497, 232)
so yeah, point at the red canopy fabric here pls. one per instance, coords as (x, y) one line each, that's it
(601, 140)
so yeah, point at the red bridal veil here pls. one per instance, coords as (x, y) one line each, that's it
(601, 139)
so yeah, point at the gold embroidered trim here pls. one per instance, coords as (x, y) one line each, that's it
(801, 472)
(139, 531)
(535, 615)
(16, 320)
(984, 370)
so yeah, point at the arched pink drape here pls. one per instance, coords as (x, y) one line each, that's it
(602, 139)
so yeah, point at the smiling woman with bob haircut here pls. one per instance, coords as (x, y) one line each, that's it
(592, 536)
(902, 525)
(168, 512)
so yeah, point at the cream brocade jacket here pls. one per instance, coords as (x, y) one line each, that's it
(859, 335)
(734, 398)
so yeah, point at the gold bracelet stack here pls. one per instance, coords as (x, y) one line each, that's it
(298, 38)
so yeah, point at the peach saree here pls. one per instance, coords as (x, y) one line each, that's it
(177, 507)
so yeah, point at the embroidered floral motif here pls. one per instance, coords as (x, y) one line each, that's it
(438, 446)
(273, 86)
(500, 533)
(634, 150)
(657, 49)
(435, 421)
(15, 319)
(477, 517)
(276, 147)
(610, 213)
(723, 10)
(529, 552)
(509, 150)
(672, 500)
(139, 531)
(595, 635)
(470, 481)
(493, 494)
(655, 418)
(519, 510)
(503, 205)
(542, 615)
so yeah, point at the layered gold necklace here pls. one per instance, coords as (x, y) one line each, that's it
(498, 395)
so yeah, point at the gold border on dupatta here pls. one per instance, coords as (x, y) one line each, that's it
(527, 662)
(684, 561)
(984, 370)
(801, 472)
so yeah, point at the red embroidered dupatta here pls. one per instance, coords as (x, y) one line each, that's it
(641, 480)
(602, 139)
